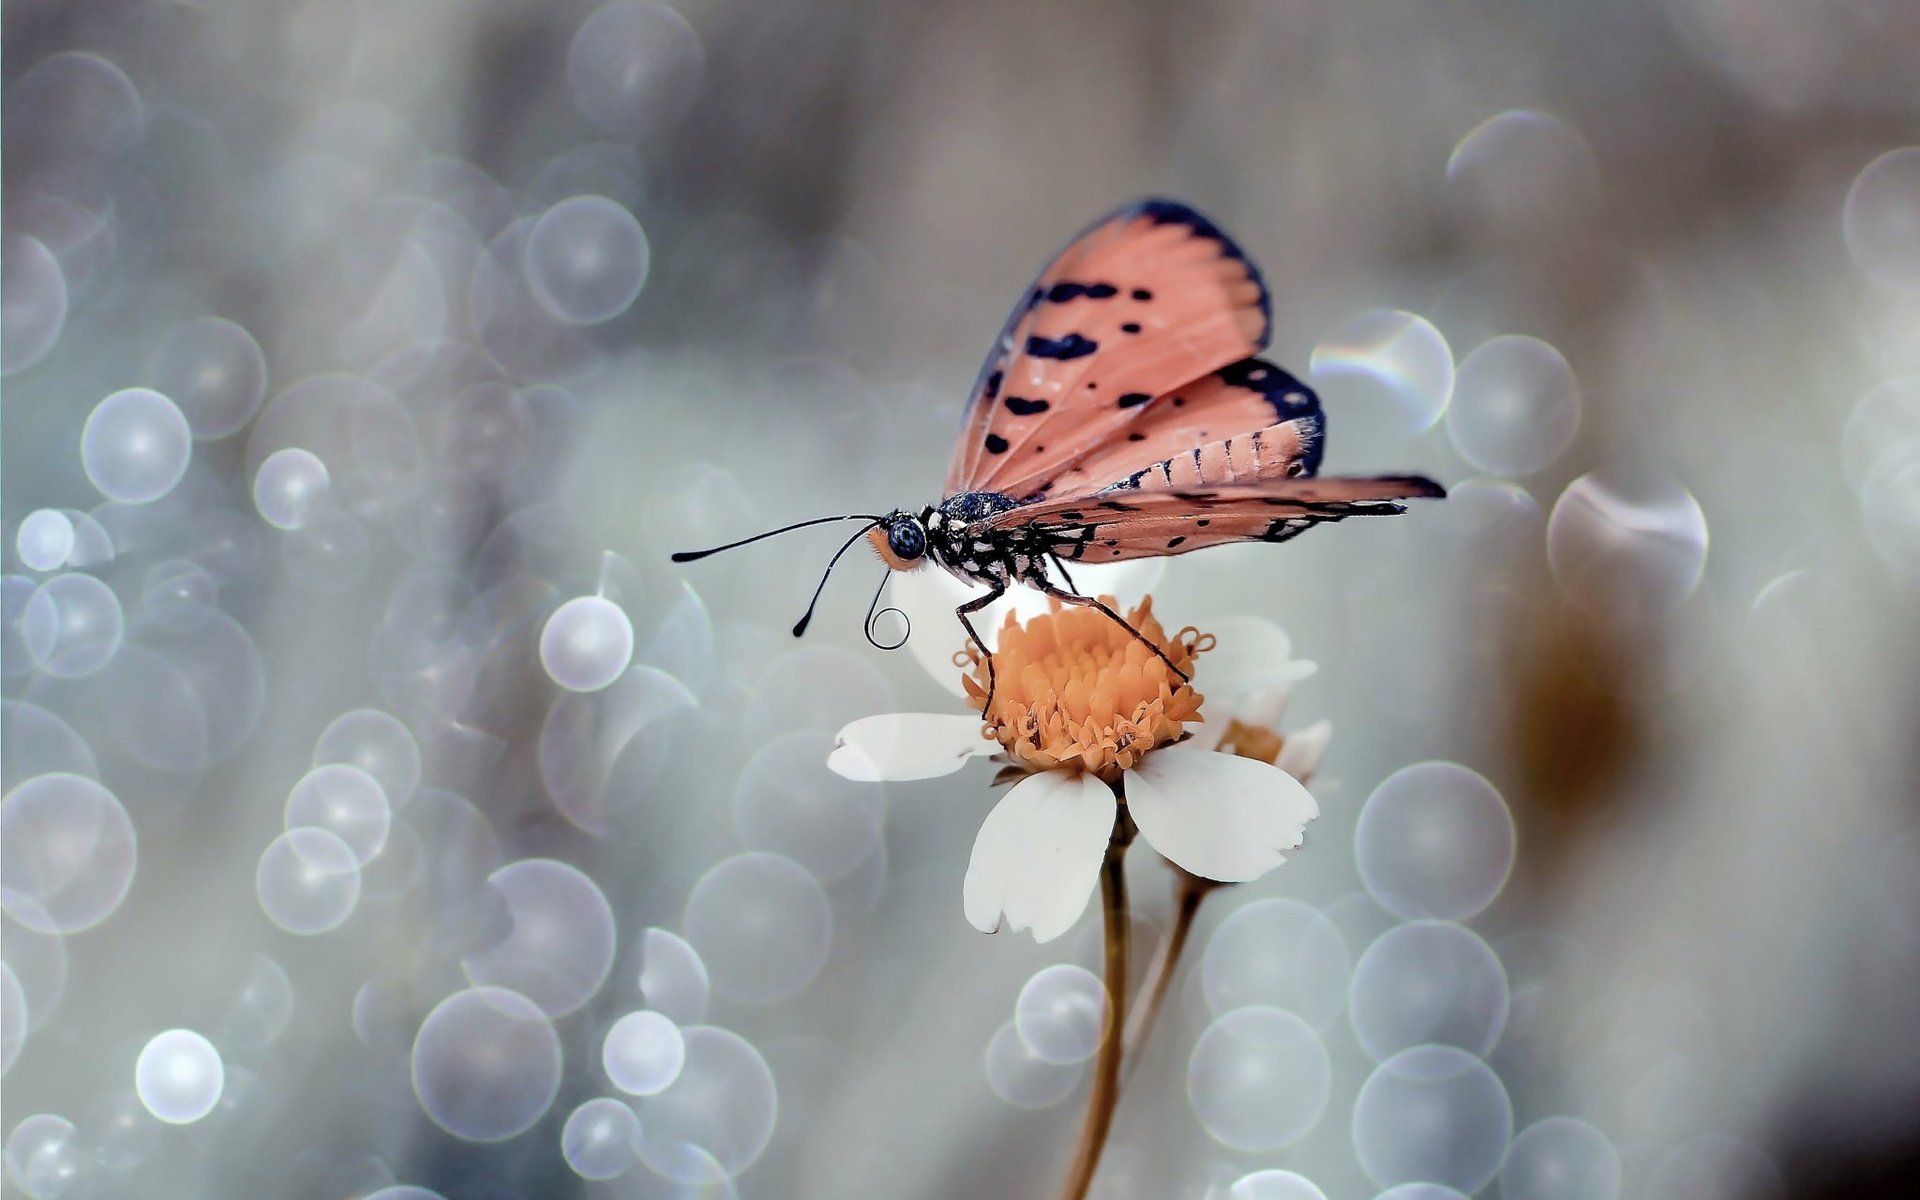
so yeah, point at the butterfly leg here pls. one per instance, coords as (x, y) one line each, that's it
(1061, 566)
(1066, 597)
(963, 612)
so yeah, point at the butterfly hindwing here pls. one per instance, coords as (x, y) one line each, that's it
(1118, 525)
(1246, 422)
(1152, 297)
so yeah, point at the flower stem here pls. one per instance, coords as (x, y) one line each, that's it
(1106, 1068)
(1189, 891)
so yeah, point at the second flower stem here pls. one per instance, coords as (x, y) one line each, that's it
(1106, 1068)
(1189, 891)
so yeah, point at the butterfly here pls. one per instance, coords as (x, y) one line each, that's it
(1122, 413)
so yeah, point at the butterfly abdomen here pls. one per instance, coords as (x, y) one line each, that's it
(1287, 451)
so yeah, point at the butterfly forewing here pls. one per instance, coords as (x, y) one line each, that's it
(1150, 298)
(1124, 524)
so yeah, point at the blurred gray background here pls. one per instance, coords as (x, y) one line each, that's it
(547, 291)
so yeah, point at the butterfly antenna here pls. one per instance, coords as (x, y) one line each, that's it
(800, 626)
(875, 612)
(681, 556)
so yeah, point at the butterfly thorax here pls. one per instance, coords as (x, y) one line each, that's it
(968, 507)
(990, 556)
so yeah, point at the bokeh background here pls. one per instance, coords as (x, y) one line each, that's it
(383, 809)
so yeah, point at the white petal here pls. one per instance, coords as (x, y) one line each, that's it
(897, 746)
(1301, 753)
(1218, 713)
(928, 596)
(1126, 582)
(1219, 816)
(1266, 706)
(1038, 854)
(1253, 654)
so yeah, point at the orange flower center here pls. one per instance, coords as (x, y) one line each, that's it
(1073, 688)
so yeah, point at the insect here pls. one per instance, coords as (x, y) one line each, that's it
(1122, 414)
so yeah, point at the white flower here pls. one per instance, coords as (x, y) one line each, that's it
(1094, 715)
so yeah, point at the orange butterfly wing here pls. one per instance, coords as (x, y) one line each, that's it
(1123, 524)
(1150, 298)
(1246, 422)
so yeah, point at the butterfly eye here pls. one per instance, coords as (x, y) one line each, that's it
(906, 540)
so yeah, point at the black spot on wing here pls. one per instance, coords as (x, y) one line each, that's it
(1419, 484)
(1024, 408)
(1175, 542)
(1259, 375)
(996, 444)
(1142, 294)
(1134, 399)
(1130, 327)
(1071, 346)
(1062, 292)
(1281, 530)
(992, 386)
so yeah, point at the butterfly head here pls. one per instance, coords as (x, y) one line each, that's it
(900, 539)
